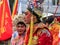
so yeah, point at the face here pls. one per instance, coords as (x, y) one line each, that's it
(21, 28)
(28, 18)
(55, 20)
(42, 25)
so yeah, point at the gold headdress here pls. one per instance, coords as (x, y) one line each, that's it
(16, 19)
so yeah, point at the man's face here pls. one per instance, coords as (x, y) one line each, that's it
(55, 20)
(21, 28)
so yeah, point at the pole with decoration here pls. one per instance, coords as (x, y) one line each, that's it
(31, 27)
(31, 31)
(15, 8)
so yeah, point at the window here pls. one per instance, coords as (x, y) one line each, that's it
(56, 2)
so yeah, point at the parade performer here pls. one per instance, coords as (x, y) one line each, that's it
(19, 33)
(41, 36)
(54, 28)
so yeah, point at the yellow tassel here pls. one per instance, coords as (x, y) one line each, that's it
(31, 31)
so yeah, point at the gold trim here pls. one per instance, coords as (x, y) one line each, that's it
(2, 21)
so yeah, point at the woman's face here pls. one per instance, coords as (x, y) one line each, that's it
(28, 18)
(20, 29)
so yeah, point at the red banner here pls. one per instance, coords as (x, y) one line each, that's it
(5, 20)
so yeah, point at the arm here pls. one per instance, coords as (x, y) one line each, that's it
(14, 38)
(44, 40)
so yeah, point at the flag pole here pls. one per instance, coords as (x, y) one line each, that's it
(20, 9)
(14, 8)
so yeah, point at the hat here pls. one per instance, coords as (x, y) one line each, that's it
(46, 15)
(35, 11)
(18, 18)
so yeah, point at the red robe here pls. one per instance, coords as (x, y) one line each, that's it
(44, 39)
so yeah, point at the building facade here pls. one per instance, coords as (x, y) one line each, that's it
(51, 5)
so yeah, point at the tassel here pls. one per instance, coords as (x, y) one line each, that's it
(31, 31)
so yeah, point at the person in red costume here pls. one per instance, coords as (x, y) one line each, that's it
(55, 28)
(44, 36)
(41, 36)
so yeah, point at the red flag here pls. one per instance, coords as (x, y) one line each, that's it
(5, 21)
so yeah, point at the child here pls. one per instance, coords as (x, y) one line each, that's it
(19, 34)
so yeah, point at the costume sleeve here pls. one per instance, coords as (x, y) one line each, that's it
(42, 40)
(45, 40)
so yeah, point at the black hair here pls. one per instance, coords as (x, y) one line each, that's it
(37, 17)
(48, 20)
(22, 23)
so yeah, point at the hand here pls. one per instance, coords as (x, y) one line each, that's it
(16, 39)
(41, 25)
